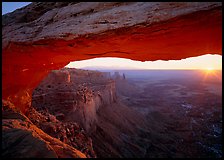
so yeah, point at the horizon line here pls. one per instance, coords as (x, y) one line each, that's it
(139, 69)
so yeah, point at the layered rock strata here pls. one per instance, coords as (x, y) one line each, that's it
(90, 99)
(59, 32)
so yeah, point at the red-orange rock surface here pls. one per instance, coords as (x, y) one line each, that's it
(67, 132)
(22, 139)
(46, 36)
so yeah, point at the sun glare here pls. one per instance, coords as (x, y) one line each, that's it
(209, 69)
(210, 72)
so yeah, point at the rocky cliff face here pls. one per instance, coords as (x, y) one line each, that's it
(89, 99)
(75, 94)
(60, 21)
(22, 139)
(68, 132)
(48, 35)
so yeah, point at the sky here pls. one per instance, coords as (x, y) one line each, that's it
(201, 62)
(11, 6)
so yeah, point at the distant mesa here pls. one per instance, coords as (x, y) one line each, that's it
(46, 36)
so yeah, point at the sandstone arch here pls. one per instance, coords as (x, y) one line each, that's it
(45, 36)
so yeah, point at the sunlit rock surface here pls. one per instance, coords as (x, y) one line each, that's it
(45, 36)
(22, 139)
(67, 132)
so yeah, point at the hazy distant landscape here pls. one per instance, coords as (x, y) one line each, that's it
(130, 113)
(139, 113)
(112, 80)
(182, 107)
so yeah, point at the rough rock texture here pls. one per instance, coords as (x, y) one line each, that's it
(60, 20)
(89, 98)
(45, 36)
(22, 139)
(68, 132)
(48, 35)
(80, 97)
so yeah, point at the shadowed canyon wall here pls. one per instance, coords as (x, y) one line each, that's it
(45, 36)
(81, 93)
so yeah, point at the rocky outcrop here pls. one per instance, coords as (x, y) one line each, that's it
(80, 97)
(59, 32)
(22, 139)
(61, 21)
(68, 132)
(90, 100)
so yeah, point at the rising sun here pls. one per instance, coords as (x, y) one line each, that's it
(209, 69)
(210, 72)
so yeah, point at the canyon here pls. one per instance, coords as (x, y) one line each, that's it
(89, 98)
(105, 114)
(62, 115)
(45, 36)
